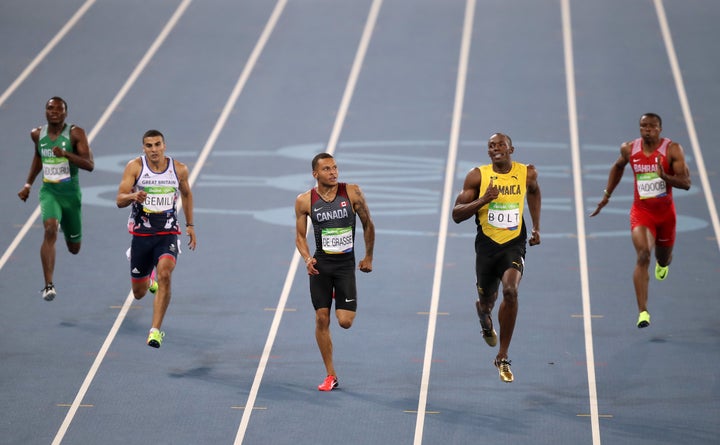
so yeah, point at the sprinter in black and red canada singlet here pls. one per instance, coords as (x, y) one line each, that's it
(332, 207)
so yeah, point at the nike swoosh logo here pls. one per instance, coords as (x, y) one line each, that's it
(349, 301)
(317, 210)
(75, 236)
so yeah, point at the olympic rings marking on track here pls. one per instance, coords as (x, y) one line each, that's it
(414, 171)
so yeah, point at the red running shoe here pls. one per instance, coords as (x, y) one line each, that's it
(330, 383)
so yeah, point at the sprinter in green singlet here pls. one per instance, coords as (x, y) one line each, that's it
(60, 149)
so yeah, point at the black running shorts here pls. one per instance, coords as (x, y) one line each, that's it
(489, 269)
(336, 280)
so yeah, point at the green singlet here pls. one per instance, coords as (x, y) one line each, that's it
(60, 196)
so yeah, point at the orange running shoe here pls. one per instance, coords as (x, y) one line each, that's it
(330, 383)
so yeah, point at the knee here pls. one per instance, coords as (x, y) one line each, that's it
(139, 289)
(164, 274)
(322, 320)
(510, 295)
(51, 231)
(345, 323)
(643, 257)
(163, 277)
(74, 248)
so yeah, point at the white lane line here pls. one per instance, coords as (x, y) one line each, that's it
(292, 270)
(580, 217)
(444, 212)
(11, 89)
(44, 52)
(352, 79)
(689, 122)
(123, 312)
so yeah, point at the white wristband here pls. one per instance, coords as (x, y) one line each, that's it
(27, 185)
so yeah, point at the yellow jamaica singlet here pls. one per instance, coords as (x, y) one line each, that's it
(502, 219)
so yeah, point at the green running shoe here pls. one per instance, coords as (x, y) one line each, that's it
(661, 272)
(643, 319)
(155, 338)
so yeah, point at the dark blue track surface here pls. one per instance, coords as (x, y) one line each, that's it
(654, 386)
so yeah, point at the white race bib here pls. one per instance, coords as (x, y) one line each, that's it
(504, 215)
(650, 185)
(159, 199)
(56, 170)
(337, 240)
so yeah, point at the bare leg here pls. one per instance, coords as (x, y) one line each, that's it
(165, 268)
(508, 310)
(644, 243)
(324, 341)
(73, 248)
(47, 249)
(345, 318)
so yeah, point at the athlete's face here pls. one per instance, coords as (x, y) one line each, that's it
(55, 111)
(326, 172)
(154, 148)
(650, 128)
(499, 148)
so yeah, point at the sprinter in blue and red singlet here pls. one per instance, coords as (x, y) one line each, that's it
(151, 185)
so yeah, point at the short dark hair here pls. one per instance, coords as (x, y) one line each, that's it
(317, 158)
(60, 99)
(152, 134)
(656, 116)
(504, 135)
